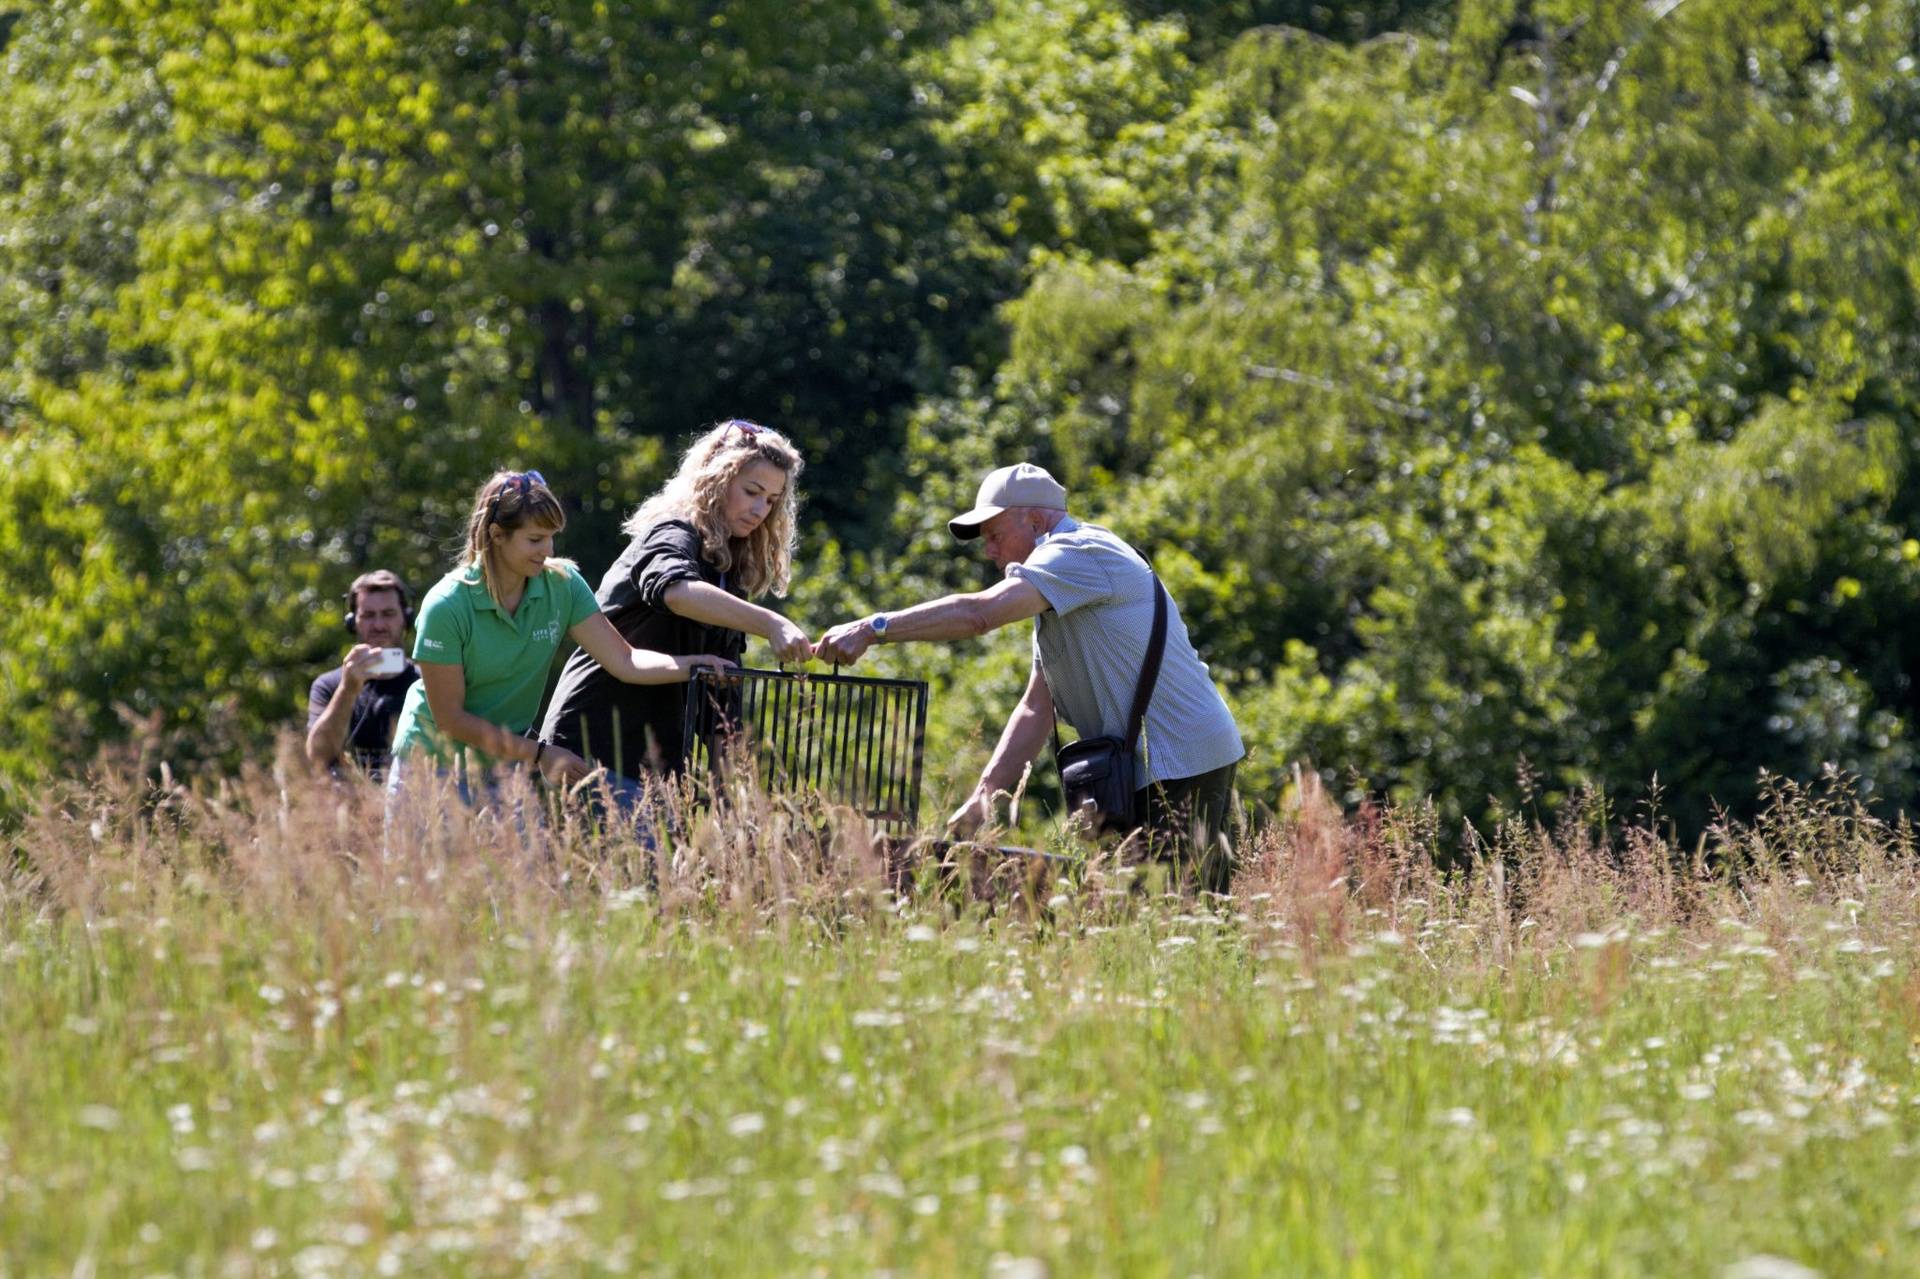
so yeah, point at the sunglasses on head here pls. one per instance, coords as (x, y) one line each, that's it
(520, 481)
(742, 425)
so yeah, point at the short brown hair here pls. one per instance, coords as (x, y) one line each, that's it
(378, 579)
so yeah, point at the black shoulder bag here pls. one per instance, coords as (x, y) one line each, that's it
(1099, 773)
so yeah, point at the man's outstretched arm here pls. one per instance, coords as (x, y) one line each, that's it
(950, 617)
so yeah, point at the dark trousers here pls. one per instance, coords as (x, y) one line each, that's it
(1189, 823)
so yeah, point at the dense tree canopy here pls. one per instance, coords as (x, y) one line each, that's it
(1517, 394)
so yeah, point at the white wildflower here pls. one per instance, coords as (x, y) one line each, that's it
(1004, 1267)
(1764, 1266)
(883, 1183)
(105, 1118)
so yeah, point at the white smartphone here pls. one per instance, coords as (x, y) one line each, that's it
(392, 662)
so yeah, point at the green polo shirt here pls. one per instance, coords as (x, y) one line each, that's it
(505, 657)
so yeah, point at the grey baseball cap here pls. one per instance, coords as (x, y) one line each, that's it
(1022, 484)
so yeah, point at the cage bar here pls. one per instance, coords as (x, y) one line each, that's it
(855, 740)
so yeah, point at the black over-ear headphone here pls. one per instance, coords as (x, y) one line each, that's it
(352, 619)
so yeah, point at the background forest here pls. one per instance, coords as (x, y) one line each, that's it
(1517, 396)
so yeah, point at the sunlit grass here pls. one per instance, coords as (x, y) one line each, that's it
(240, 1038)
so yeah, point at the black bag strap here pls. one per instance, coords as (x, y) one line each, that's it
(1149, 666)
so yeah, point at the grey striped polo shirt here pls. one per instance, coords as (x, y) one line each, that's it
(1092, 643)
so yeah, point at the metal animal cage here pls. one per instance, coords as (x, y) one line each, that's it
(857, 741)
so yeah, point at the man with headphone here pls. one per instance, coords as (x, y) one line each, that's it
(355, 705)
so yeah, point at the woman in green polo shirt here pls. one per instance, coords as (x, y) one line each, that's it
(487, 634)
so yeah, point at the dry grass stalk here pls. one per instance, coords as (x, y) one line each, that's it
(282, 842)
(1531, 890)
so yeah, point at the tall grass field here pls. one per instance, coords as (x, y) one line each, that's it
(260, 1031)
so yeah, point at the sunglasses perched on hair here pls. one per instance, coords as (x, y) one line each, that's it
(521, 482)
(742, 425)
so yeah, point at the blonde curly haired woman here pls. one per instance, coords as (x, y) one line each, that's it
(720, 533)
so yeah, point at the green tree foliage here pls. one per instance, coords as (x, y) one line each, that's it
(1535, 393)
(1058, 117)
(1517, 394)
(288, 279)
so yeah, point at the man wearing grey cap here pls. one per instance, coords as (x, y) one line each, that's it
(1092, 598)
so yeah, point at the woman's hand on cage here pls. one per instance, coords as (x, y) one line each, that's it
(790, 643)
(698, 661)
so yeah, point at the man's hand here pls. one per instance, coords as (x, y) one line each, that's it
(790, 643)
(358, 668)
(844, 644)
(971, 816)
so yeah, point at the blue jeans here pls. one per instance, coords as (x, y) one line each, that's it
(402, 771)
(621, 800)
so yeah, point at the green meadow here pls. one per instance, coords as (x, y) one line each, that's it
(1519, 398)
(248, 1033)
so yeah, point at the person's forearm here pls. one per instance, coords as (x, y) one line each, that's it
(489, 738)
(947, 618)
(327, 739)
(644, 666)
(708, 604)
(1021, 740)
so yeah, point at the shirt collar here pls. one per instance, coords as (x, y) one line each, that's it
(1067, 524)
(483, 598)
